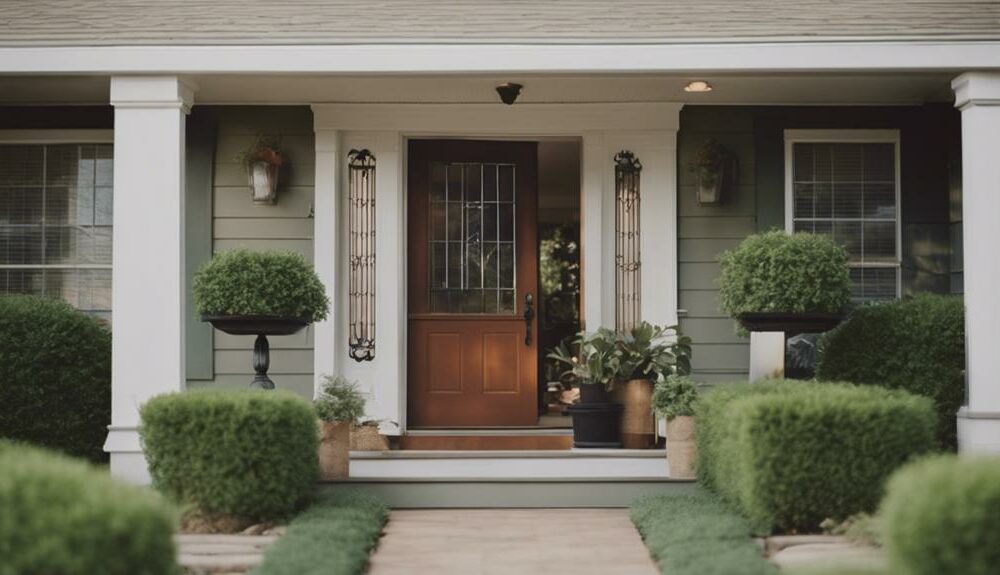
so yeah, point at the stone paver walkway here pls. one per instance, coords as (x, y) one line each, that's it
(506, 541)
(221, 554)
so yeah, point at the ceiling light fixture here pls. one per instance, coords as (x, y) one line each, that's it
(698, 86)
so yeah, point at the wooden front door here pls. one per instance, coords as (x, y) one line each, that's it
(473, 275)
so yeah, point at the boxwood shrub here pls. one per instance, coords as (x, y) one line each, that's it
(248, 454)
(55, 376)
(790, 454)
(780, 272)
(246, 283)
(916, 344)
(942, 515)
(62, 516)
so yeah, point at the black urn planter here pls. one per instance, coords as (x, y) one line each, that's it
(261, 326)
(596, 419)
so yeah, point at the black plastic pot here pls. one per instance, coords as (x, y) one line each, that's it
(596, 419)
(261, 326)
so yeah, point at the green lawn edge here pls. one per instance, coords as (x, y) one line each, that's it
(333, 536)
(697, 534)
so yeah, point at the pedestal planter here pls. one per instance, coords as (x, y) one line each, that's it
(261, 326)
(638, 426)
(681, 448)
(790, 323)
(596, 419)
(334, 450)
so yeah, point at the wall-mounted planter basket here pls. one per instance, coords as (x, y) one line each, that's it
(261, 326)
(717, 171)
(790, 323)
(263, 177)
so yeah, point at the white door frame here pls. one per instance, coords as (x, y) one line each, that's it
(647, 129)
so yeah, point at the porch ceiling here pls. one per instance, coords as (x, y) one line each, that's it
(303, 89)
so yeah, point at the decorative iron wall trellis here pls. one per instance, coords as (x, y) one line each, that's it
(628, 260)
(361, 255)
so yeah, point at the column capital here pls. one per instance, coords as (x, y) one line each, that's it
(152, 92)
(976, 89)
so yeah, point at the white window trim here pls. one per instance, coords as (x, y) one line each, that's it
(793, 137)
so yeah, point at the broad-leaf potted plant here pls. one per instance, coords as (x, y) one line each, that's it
(259, 293)
(792, 283)
(340, 406)
(647, 352)
(673, 398)
(592, 361)
(263, 159)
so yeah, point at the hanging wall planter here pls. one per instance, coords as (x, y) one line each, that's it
(263, 160)
(716, 170)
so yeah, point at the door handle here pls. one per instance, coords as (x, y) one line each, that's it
(529, 314)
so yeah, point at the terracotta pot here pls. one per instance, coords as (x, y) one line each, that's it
(638, 421)
(681, 448)
(334, 450)
(368, 438)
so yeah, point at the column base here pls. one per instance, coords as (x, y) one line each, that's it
(767, 355)
(978, 432)
(128, 463)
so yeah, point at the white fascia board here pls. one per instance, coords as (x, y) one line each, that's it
(508, 58)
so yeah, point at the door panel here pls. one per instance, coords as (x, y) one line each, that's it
(473, 261)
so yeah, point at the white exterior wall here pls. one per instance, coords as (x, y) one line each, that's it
(649, 130)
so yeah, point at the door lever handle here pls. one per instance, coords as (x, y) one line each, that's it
(529, 314)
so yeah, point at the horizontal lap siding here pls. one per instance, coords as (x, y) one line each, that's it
(287, 226)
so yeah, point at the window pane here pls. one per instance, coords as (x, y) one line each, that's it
(804, 200)
(880, 241)
(847, 200)
(880, 201)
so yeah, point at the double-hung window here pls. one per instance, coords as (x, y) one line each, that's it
(56, 192)
(845, 183)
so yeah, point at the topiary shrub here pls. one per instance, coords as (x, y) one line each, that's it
(916, 344)
(790, 454)
(245, 283)
(55, 376)
(780, 272)
(942, 515)
(249, 454)
(59, 515)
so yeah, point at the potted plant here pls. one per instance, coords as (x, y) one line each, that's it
(366, 436)
(263, 160)
(715, 167)
(593, 363)
(339, 407)
(673, 398)
(259, 293)
(648, 352)
(792, 283)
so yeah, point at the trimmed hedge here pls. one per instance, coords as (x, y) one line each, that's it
(62, 516)
(916, 344)
(248, 454)
(697, 535)
(55, 376)
(334, 536)
(790, 454)
(942, 515)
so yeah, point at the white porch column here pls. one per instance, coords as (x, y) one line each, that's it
(977, 95)
(326, 213)
(148, 261)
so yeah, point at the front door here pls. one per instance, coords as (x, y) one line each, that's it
(473, 275)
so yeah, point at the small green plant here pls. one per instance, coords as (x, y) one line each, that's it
(340, 401)
(263, 148)
(61, 515)
(916, 344)
(55, 376)
(790, 454)
(863, 528)
(779, 272)
(675, 396)
(245, 283)
(606, 356)
(242, 454)
(942, 515)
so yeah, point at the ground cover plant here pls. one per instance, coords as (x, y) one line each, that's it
(942, 515)
(247, 455)
(334, 536)
(790, 454)
(916, 344)
(55, 376)
(697, 535)
(60, 515)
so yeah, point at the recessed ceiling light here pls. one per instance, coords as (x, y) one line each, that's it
(698, 86)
